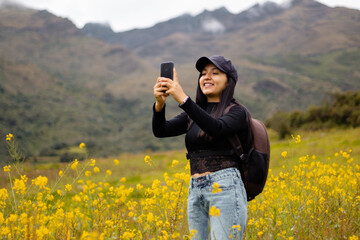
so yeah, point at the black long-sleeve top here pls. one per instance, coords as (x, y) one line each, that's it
(217, 129)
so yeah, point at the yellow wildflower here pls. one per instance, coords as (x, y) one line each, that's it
(353, 237)
(82, 145)
(192, 233)
(108, 172)
(7, 168)
(150, 217)
(128, 235)
(284, 154)
(4, 231)
(116, 162)
(9, 137)
(174, 163)
(165, 235)
(88, 173)
(96, 169)
(41, 232)
(215, 212)
(3, 194)
(187, 167)
(13, 217)
(61, 173)
(236, 227)
(50, 197)
(76, 198)
(19, 186)
(93, 162)
(147, 159)
(23, 218)
(68, 187)
(74, 164)
(123, 180)
(216, 188)
(297, 138)
(139, 186)
(175, 235)
(40, 181)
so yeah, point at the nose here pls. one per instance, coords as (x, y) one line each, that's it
(207, 76)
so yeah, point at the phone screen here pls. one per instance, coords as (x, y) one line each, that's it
(166, 70)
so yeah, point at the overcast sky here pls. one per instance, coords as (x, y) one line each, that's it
(124, 15)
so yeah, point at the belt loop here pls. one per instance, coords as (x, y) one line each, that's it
(208, 177)
(237, 172)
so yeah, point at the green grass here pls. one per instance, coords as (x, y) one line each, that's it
(322, 144)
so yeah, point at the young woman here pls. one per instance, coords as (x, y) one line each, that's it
(211, 157)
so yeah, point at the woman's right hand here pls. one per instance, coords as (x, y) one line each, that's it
(160, 95)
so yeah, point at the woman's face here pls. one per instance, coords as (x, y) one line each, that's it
(212, 82)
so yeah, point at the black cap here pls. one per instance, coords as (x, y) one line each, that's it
(225, 65)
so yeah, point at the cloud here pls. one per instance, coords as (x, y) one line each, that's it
(213, 25)
(8, 3)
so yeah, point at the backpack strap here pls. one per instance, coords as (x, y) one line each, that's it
(237, 147)
(234, 138)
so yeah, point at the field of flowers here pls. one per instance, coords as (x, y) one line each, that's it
(308, 195)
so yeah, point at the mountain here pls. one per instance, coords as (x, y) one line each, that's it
(266, 29)
(60, 85)
(216, 22)
(219, 21)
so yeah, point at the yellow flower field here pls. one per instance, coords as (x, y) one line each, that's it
(315, 198)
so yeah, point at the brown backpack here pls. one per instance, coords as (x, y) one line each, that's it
(254, 161)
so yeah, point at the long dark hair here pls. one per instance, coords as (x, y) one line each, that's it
(226, 97)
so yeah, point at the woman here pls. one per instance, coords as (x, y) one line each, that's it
(211, 156)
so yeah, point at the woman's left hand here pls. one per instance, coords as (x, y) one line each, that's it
(174, 88)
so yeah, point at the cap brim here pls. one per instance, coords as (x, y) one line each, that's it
(203, 61)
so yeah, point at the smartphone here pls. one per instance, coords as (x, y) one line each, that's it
(166, 70)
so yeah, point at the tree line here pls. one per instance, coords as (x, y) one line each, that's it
(337, 110)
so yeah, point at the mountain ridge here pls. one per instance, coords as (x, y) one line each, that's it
(221, 19)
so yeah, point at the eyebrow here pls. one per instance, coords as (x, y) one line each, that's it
(213, 68)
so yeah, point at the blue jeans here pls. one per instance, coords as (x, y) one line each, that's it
(231, 202)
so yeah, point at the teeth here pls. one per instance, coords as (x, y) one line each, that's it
(208, 84)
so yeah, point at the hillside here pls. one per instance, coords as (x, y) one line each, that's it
(53, 83)
(61, 85)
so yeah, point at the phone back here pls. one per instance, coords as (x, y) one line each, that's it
(166, 70)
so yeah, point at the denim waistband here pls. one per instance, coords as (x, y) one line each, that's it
(215, 176)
